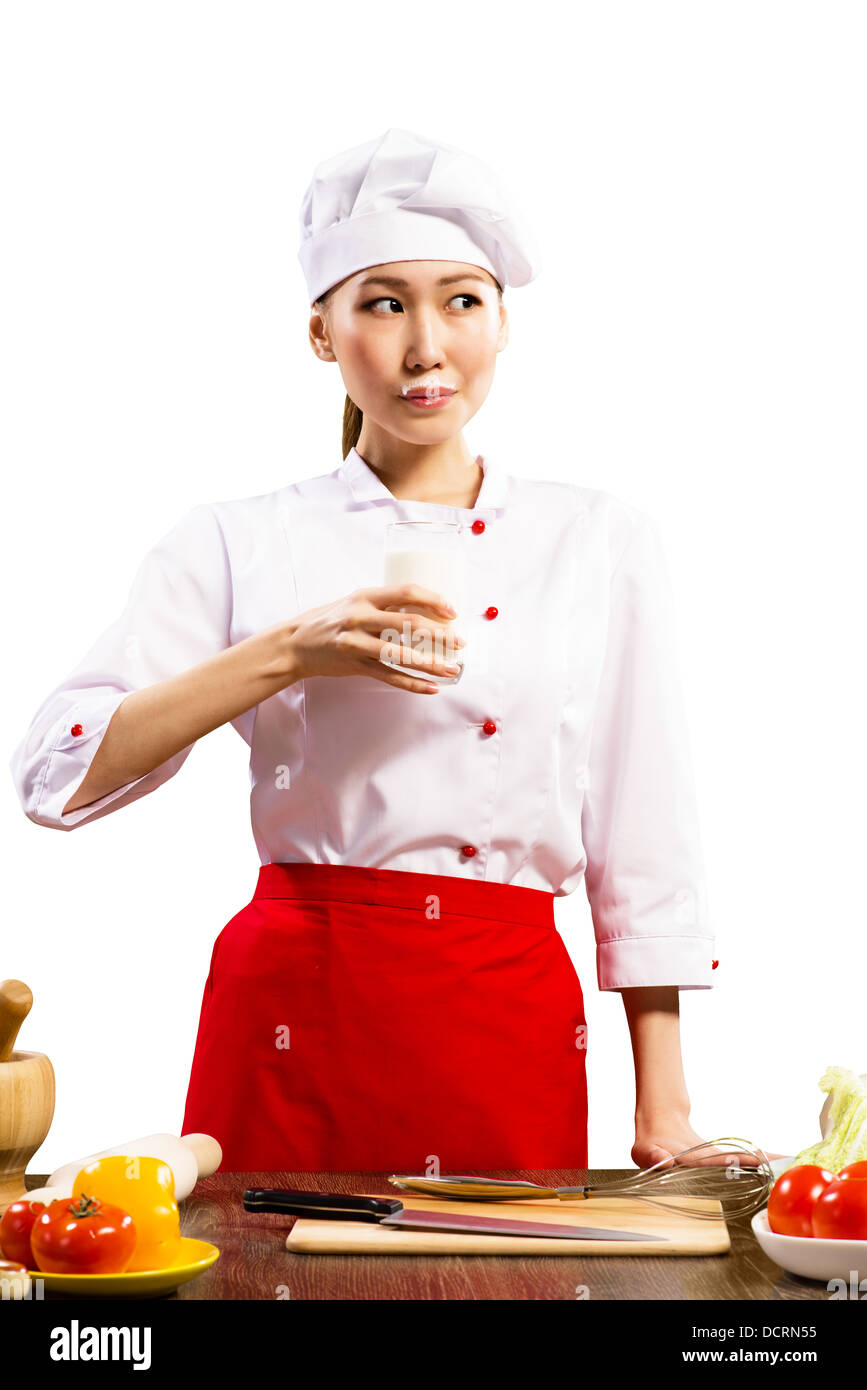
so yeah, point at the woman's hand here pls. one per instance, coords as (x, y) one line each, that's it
(350, 636)
(666, 1136)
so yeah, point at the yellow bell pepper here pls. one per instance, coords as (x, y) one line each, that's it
(145, 1187)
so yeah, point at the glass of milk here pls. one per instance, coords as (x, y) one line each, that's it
(430, 553)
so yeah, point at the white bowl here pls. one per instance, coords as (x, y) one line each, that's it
(811, 1257)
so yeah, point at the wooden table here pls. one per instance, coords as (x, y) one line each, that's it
(254, 1263)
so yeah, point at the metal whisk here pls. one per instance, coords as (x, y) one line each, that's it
(741, 1185)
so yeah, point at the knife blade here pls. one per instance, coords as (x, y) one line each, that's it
(386, 1211)
(500, 1226)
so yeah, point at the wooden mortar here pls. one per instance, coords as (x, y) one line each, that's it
(26, 1094)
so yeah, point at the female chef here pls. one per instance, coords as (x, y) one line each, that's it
(396, 992)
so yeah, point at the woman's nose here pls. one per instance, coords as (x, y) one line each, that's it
(424, 339)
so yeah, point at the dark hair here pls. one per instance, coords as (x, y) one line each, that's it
(352, 416)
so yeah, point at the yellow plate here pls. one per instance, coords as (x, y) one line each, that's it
(194, 1258)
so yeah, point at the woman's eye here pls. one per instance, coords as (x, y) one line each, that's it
(385, 300)
(371, 302)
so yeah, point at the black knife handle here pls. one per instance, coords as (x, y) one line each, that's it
(324, 1206)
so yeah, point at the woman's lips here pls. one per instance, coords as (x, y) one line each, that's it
(429, 402)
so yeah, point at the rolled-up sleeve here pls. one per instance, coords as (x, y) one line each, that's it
(177, 614)
(645, 877)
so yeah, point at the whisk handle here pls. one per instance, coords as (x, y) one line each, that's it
(574, 1194)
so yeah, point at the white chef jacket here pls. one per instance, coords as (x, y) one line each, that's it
(561, 753)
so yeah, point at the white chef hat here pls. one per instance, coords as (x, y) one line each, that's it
(402, 197)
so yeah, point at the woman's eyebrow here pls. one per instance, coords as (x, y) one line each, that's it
(395, 283)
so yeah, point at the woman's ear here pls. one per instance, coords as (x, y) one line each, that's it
(320, 338)
(503, 336)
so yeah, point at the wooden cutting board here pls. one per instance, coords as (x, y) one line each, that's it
(685, 1235)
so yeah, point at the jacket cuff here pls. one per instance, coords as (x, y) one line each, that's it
(69, 759)
(687, 962)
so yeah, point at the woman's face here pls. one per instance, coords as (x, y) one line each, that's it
(388, 337)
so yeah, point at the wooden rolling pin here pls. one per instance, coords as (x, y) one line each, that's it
(190, 1157)
(26, 1094)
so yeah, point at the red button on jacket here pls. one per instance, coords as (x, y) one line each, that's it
(76, 730)
(478, 527)
(491, 612)
(468, 850)
(489, 726)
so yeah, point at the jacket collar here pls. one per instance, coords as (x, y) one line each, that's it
(367, 487)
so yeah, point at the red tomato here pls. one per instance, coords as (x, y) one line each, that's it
(82, 1235)
(840, 1213)
(793, 1196)
(14, 1276)
(854, 1170)
(15, 1227)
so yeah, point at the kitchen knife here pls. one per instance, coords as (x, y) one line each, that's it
(387, 1211)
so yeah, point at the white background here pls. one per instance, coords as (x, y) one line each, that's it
(695, 343)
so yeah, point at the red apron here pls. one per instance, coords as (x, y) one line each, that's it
(361, 1019)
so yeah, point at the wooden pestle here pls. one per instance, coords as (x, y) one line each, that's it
(16, 1001)
(26, 1094)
